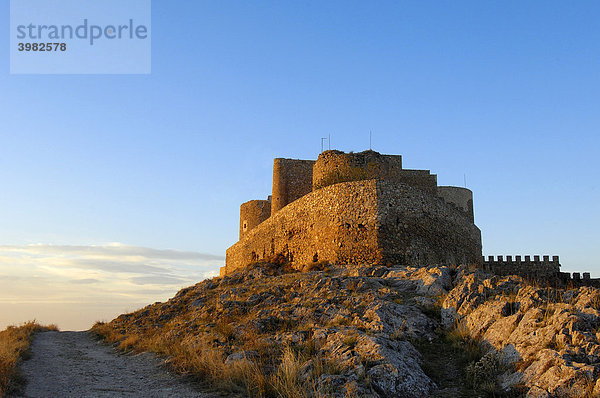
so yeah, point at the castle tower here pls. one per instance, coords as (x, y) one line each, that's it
(292, 179)
(333, 167)
(252, 213)
(462, 198)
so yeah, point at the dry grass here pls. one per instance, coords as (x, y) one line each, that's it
(188, 356)
(270, 372)
(587, 389)
(14, 346)
(556, 344)
(209, 365)
(460, 339)
(350, 340)
(286, 379)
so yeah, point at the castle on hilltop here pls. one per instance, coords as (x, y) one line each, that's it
(357, 208)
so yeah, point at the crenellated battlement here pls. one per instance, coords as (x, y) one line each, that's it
(536, 266)
(523, 260)
(578, 279)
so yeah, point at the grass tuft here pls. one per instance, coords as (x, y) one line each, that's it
(14, 347)
(287, 378)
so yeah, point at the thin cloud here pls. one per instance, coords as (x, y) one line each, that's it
(113, 249)
(86, 281)
(157, 280)
(122, 276)
(114, 265)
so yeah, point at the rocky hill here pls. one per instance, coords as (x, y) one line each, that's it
(351, 331)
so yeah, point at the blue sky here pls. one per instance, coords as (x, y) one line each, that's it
(504, 92)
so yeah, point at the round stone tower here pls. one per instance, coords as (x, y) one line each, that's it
(333, 167)
(462, 198)
(253, 213)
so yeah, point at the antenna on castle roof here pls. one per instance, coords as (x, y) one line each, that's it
(370, 140)
(465, 180)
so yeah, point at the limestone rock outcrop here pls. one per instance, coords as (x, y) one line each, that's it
(549, 337)
(377, 331)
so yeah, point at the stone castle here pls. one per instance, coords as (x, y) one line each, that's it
(357, 208)
(364, 208)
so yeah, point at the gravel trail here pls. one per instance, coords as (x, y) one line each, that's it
(74, 364)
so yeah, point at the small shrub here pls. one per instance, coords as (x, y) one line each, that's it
(323, 366)
(340, 321)
(278, 259)
(484, 371)
(459, 333)
(460, 338)
(350, 340)
(225, 329)
(310, 347)
(398, 334)
(317, 266)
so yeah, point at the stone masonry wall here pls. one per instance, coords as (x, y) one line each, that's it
(333, 167)
(362, 222)
(252, 213)
(420, 229)
(292, 179)
(462, 198)
(335, 224)
(421, 179)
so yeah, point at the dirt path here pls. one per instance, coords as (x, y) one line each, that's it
(74, 364)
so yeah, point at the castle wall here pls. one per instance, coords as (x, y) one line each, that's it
(540, 267)
(577, 279)
(421, 179)
(460, 197)
(419, 229)
(335, 224)
(362, 222)
(292, 179)
(253, 213)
